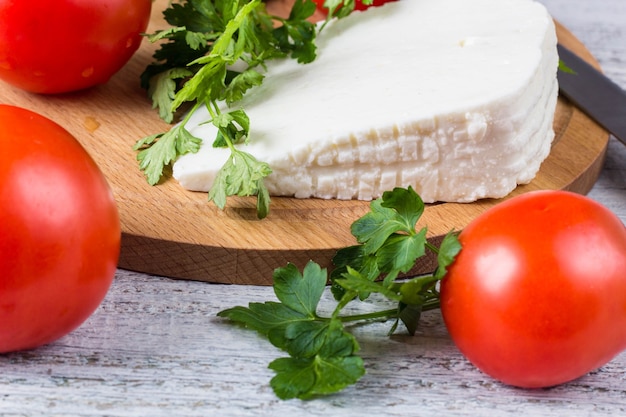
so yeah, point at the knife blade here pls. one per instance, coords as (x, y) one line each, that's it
(593, 92)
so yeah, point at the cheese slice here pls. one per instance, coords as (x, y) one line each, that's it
(453, 97)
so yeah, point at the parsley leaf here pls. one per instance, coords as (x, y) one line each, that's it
(448, 250)
(331, 369)
(297, 292)
(389, 243)
(266, 318)
(162, 89)
(400, 251)
(296, 34)
(160, 150)
(242, 174)
(323, 355)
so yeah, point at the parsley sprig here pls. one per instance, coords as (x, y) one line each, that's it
(212, 55)
(323, 355)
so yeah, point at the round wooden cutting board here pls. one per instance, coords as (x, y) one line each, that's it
(176, 233)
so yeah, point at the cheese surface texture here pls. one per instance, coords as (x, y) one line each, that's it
(453, 97)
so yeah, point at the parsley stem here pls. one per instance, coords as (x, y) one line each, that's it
(392, 313)
(190, 113)
(215, 112)
(347, 297)
(383, 314)
(432, 247)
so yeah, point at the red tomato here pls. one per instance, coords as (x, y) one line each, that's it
(67, 45)
(59, 231)
(537, 295)
(358, 4)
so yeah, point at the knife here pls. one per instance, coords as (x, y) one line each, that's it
(593, 92)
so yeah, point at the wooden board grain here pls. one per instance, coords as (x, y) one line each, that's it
(176, 233)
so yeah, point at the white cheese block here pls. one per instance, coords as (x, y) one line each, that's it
(453, 97)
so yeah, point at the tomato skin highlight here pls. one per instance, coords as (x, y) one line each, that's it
(59, 231)
(537, 295)
(67, 45)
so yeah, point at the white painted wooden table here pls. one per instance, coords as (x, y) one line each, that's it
(155, 347)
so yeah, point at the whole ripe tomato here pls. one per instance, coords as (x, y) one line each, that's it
(59, 231)
(537, 295)
(358, 4)
(67, 45)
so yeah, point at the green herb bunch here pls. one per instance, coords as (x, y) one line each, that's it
(195, 65)
(323, 355)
